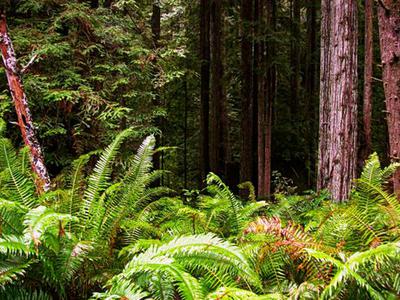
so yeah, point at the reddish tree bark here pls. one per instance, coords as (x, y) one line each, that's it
(260, 85)
(246, 151)
(368, 71)
(205, 87)
(389, 36)
(219, 119)
(20, 100)
(266, 87)
(338, 98)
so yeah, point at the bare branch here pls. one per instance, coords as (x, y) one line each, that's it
(377, 79)
(29, 64)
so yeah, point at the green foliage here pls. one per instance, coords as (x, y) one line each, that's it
(59, 234)
(191, 265)
(114, 235)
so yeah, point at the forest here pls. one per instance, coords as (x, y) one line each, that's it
(199, 149)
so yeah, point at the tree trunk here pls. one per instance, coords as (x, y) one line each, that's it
(219, 119)
(338, 96)
(389, 36)
(205, 87)
(310, 82)
(266, 83)
(368, 71)
(256, 163)
(156, 33)
(25, 121)
(246, 151)
(185, 132)
(260, 70)
(295, 60)
(271, 88)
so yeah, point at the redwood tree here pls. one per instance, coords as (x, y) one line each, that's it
(338, 97)
(25, 121)
(389, 35)
(246, 151)
(368, 71)
(265, 18)
(218, 115)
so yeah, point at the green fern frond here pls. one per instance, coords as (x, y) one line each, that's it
(348, 270)
(99, 180)
(42, 219)
(122, 290)
(11, 269)
(20, 186)
(16, 292)
(13, 245)
(141, 163)
(71, 258)
(188, 286)
(222, 190)
(75, 183)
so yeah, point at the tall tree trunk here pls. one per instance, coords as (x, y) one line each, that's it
(338, 96)
(389, 36)
(25, 121)
(295, 59)
(205, 87)
(310, 82)
(260, 70)
(246, 151)
(185, 132)
(270, 92)
(255, 81)
(156, 33)
(219, 118)
(266, 83)
(368, 71)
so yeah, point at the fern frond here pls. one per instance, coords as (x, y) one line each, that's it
(222, 190)
(188, 286)
(71, 258)
(42, 219)
(348, 269)
(20, 186)
(141, 163)
(11, 269)
(99, 180)
(76, 182)
(13, 245)
(16, 292)
(122, 290)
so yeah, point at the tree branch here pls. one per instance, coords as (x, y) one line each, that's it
(29, 64)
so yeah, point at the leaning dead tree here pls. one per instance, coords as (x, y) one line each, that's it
(13, 73)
